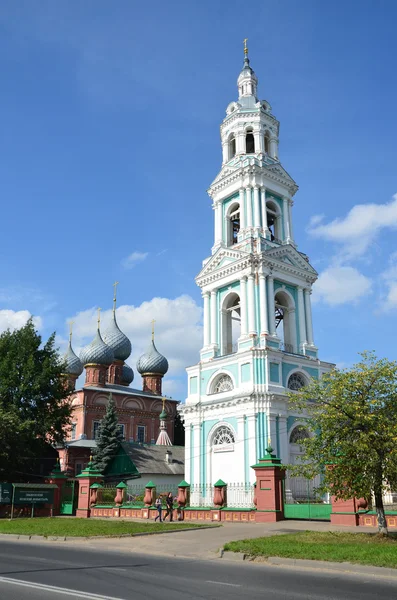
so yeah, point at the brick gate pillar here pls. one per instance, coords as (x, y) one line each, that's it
(269, 488)
(87, 477)
(58, 478)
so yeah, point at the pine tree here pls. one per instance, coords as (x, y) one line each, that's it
(109, 438)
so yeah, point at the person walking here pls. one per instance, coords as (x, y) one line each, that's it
(170, 506)
(159, 508)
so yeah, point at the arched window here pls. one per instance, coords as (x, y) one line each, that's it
(232, 147)
(224, 383)
(223, 436)
(233, 224)
(249, 141)
(267, 142)
(298, 434)
(231, 323)
(274, 221)
(284, 308)
(296, 381)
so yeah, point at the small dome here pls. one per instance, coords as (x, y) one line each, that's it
(117, 340)
(127, 375)
(74, 366)
(97, 353)
(247, 72)
(152, 362)
(163, 414)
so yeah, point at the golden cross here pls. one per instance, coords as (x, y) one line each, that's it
(245, 45)
(153, 322)
(163, 403)
(70, 331)
(99, 316)
(116, 283)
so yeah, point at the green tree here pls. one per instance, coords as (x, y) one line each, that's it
(33, 410)
(352, 415)
(109, 438)
(179, 431)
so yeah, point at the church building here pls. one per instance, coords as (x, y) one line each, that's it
(256, 286)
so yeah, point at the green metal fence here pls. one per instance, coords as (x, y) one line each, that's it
(303, 501)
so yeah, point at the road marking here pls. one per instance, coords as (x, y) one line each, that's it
(223, 583)
(58, 590)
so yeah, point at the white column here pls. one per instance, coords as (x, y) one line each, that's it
(257, 213)
(243, 306)
(252, 444)
(301, 313)
(263, 304)
(270, 296)
(257, 137)
(197, 450)
(272, 432)
(291, 229)
(282, 428)
(309, 318)
(239, 448)
(263, 209)
(206, 324)
(242, 210)
(273, 147)
(249, 206)
(225, 151)
(213, 317)
(287, 234)
(251, 304)
(218, 223)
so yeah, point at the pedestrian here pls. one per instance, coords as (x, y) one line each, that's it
(159, 508)
(170, 506)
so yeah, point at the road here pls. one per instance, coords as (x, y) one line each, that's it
(52, 572)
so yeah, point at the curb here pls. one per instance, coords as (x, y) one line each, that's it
(51, 538)
(322, 565)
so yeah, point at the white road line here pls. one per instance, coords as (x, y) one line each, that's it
(58, 590)
(223, 583)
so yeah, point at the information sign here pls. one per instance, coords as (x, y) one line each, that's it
(5, 493)
(32, 496)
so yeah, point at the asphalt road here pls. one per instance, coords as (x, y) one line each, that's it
(45, 571)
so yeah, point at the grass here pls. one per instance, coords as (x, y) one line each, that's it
(358, 548)
(74, 527)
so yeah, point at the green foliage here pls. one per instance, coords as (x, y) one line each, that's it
(179, 431)
(33, 411)
(353, 417)
(109, 438)
(359, 548)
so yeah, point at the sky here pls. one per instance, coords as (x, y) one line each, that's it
(110, 115)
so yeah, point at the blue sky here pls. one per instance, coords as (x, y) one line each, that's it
(110, 138)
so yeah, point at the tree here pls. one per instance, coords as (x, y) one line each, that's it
(33, 410)
(109, 438)
(352, 415)
(179, 431)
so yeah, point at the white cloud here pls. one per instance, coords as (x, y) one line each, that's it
(133, 259)
(390, 277)
(340, 285)
(358, 229)
(11, 319)
(178, 334)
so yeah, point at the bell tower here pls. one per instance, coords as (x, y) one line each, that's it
(256, 288)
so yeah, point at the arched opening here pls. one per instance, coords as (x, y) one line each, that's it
(232, 147)
(296, 381)
(233, 224)
(222, 460)
(267, 142)
(274, 221)
(249, 141)
(223, 383)
(231, 323)
(284, 307)
(300, 489)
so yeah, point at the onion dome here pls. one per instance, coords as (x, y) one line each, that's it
(152, 362)
(127, 375)
(74, 366)
(117, 340)
(163, 414)
(97, 353)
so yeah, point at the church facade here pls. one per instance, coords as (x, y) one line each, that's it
(256, 286)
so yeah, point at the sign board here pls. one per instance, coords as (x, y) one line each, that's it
(33, 496)
(5, 493)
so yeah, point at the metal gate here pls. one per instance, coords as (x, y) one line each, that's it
(69, 497)
(302, 501)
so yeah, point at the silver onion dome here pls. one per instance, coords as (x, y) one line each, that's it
(97, 352)
(117, 340)
(74, 366)
(127, 375)
(152, 362)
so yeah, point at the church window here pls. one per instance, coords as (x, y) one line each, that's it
(267, 142)
(223, 436)
(230, 323)
(296, 381)
(234, 224)
(273, 221)
(284, 308)
(249, 142)
(298, 434)
(73, 431)
(141, 434)
(232, 147)
(121, 429)
(223, 384)
(95, 429)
